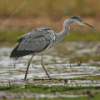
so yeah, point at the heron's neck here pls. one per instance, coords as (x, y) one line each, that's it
(60, 36)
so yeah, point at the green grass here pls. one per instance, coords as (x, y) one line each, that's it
(53, 79)
(52, 89)
(79, 98)
(43, 89)
(13, 36)
(10, 37)
(77, 78)
(2, 88)
(89, 36)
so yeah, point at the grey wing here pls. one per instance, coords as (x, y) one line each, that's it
(35, 33)
(37, 41)
(35, 45)
(24, 36)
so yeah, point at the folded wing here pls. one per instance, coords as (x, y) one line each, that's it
(35, 41)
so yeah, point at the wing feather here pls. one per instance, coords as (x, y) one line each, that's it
(32, 42)
(35, 45)
(36, 40)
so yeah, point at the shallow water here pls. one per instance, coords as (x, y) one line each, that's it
(35, 95)
(57, 65)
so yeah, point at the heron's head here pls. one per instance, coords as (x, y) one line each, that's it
(78, 20)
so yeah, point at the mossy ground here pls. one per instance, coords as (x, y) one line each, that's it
(45, 89)
(79, 98)
(13, 37)
(53, 89)
(80, 36)
(13, 34)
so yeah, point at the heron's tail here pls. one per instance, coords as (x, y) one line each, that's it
(14, 54)
(19, 53)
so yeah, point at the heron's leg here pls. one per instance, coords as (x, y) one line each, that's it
(42, 63)
(28, 67)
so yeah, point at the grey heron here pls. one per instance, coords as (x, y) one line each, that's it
(41, 39)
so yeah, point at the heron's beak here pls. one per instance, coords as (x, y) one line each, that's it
(84, 23)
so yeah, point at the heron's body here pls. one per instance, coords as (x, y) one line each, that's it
(41, 39)
(37, 42)
(34, 42)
